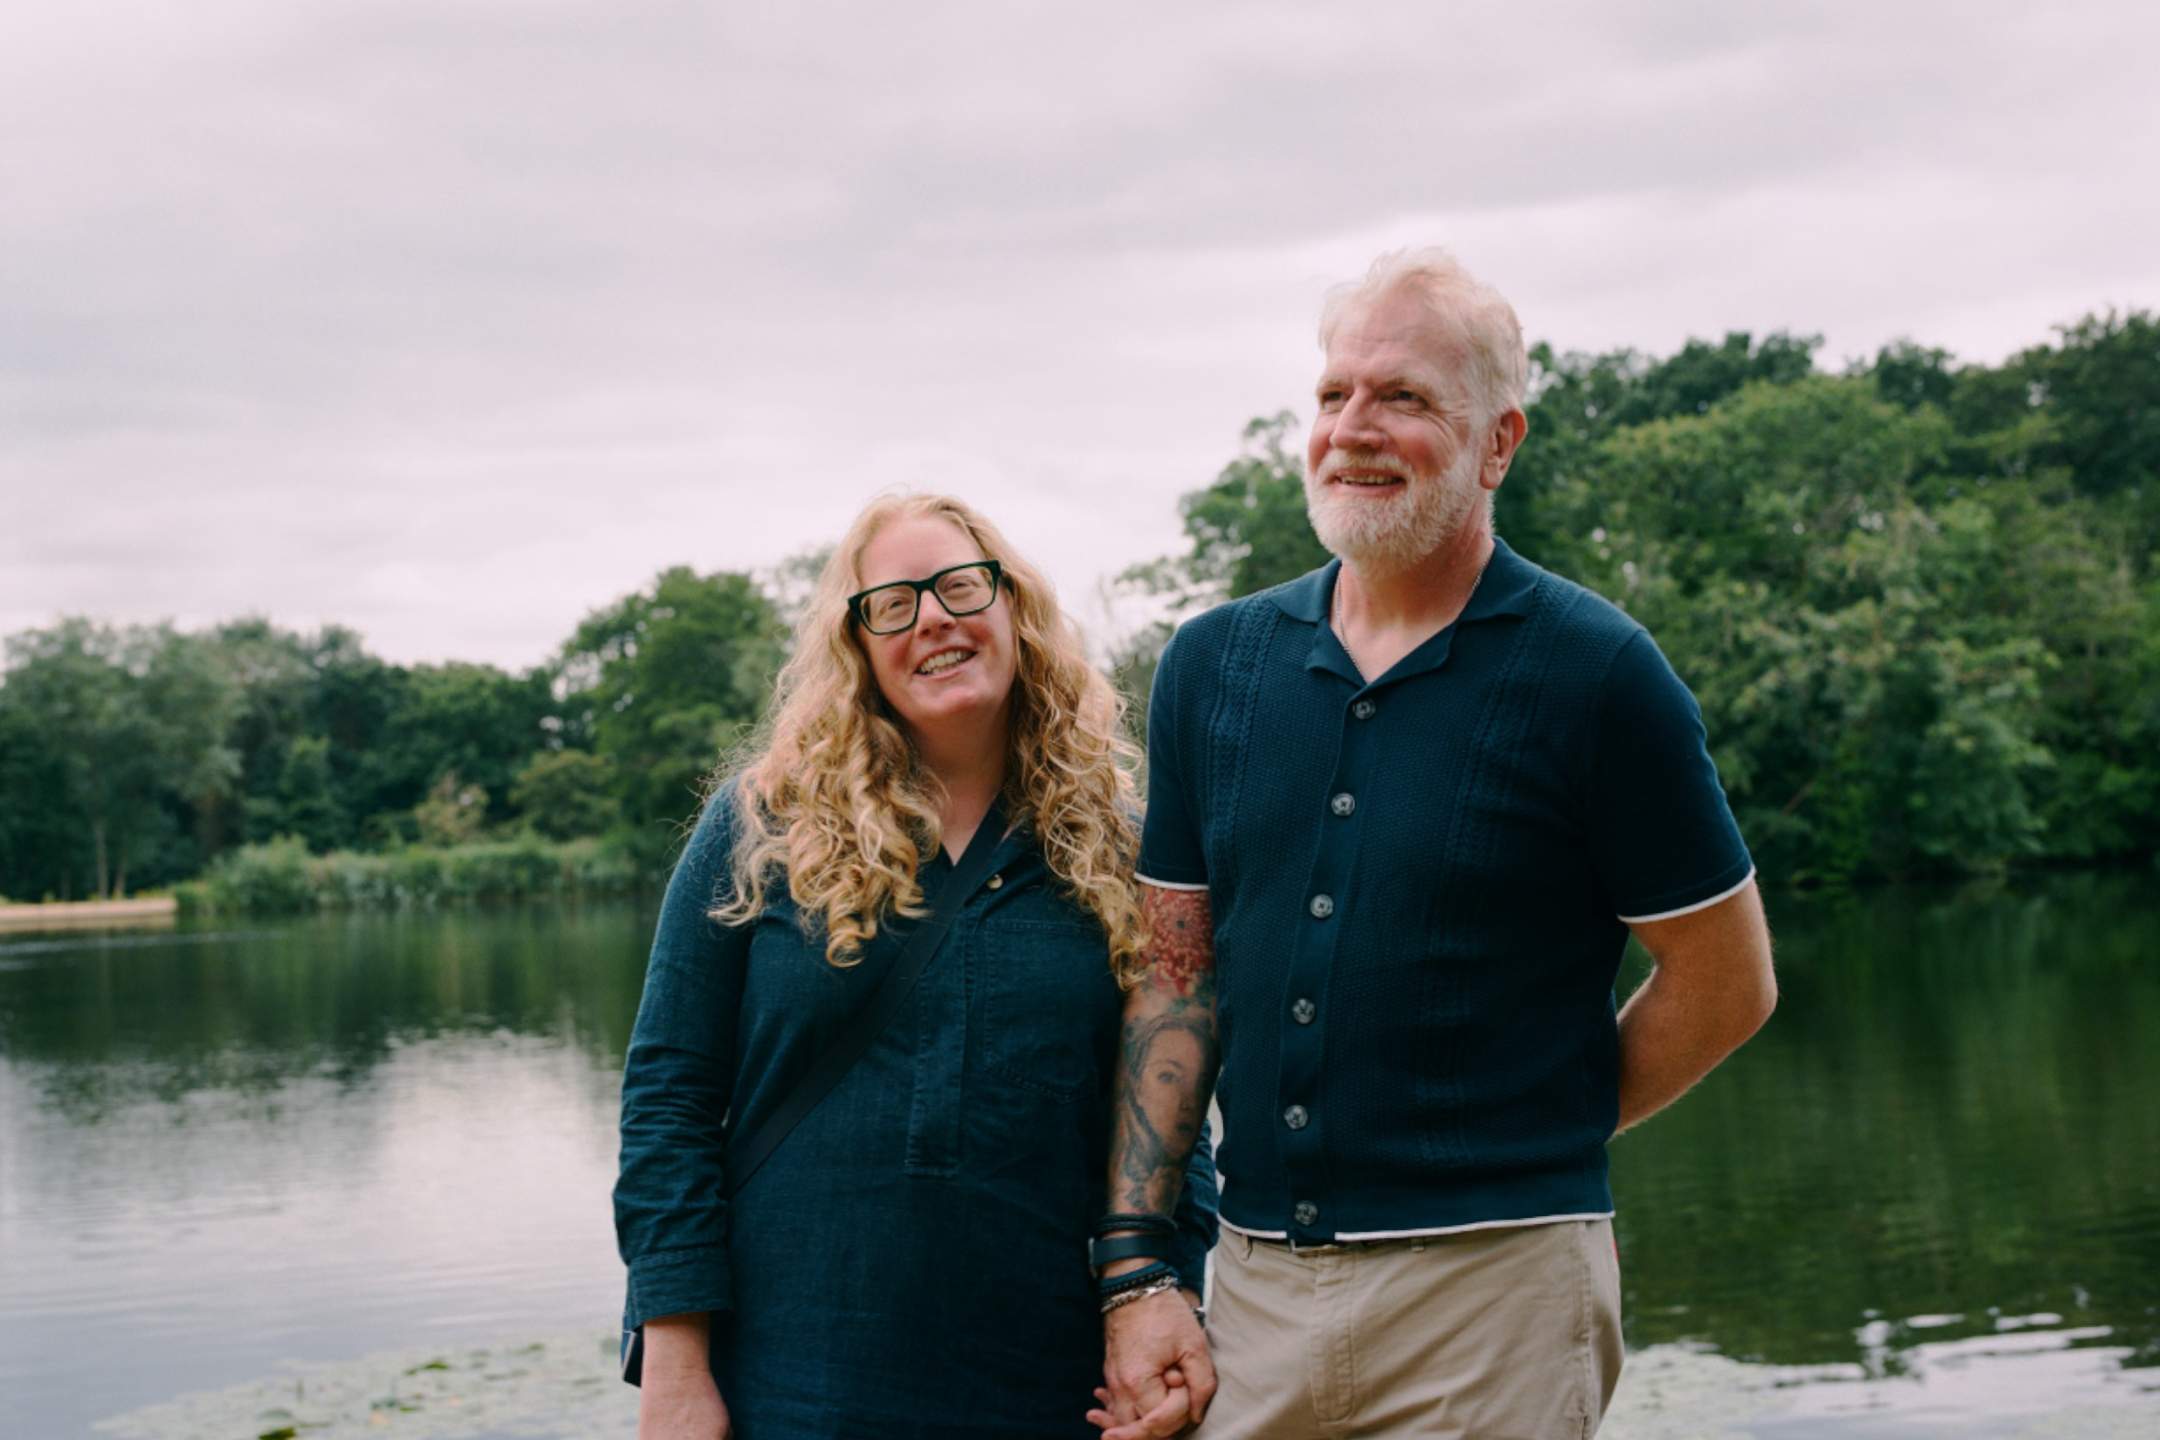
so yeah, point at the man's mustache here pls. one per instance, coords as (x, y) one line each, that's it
(1337, 461)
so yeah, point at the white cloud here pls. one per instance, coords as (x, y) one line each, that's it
(452, 322)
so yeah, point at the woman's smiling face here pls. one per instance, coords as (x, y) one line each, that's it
(945, 672)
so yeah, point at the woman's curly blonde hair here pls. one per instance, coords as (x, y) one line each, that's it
(831, 799)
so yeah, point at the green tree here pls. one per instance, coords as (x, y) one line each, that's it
(268, 668)
(663, 683)
(1868, 714)
(475, 721)
(1246, 531)
(43, 849)
(1910, 375)
(453, 812)
(307, 795)
(1576, 400)
(135, 719)
(564, 794)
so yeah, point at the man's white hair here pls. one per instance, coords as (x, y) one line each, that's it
(1494, 367)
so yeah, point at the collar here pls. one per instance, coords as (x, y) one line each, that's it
(1007, 838)
(1506, 589)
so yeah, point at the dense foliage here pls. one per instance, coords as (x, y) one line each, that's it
(1918, 601)
(133, 757)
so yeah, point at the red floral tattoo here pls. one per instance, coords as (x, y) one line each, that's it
(1181, 950)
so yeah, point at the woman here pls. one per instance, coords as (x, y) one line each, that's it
(911, 1259)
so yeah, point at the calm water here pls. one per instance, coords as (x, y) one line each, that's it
(1925, 1202)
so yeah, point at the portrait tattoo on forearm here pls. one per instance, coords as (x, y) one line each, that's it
(1168, 1055)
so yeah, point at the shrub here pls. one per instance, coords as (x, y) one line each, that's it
(418, 875)
(281, 878)
(267, 879)
(505, 869)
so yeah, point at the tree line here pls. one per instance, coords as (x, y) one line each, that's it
(1917, 600)
(135, 756)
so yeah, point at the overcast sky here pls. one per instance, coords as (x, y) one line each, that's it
(454, 320)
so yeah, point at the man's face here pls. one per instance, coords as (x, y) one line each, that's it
(1391, 469)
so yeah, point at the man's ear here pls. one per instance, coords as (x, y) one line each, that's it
(1501, 443)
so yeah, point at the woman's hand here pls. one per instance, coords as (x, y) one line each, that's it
(1158, 1377)
(678, 1398)
(687, 1407)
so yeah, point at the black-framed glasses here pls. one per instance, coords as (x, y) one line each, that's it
(961, 589)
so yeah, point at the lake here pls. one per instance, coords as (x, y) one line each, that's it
(349, 1175)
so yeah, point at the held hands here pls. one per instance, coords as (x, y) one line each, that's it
(1157, 1375)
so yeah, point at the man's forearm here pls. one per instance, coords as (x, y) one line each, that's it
(1168, 1055)
(1166, 1072)
(1713, 988)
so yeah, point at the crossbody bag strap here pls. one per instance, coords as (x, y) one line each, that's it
(754, 1148)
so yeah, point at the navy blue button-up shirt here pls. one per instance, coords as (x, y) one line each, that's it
(1419, 887)
(912, 1259)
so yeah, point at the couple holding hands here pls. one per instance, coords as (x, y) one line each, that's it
(914, 1129)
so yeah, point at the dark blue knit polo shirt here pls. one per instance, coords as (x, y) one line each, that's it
(1419, 887)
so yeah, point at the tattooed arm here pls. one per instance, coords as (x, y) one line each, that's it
(1167, 1058)
(1166, 1075)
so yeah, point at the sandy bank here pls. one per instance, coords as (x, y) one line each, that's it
(68, 915)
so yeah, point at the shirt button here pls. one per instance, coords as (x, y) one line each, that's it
(1322, 906)
(1295, 1117)
(1303, 1011)
(1342, 804)
(1305, 1212)
(996, 880)
(1363, 709)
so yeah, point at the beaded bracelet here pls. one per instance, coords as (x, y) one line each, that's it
(1127, 1297)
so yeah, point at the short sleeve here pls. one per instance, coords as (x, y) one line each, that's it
(670, 1190)
(1171, 849)
(1661, 832)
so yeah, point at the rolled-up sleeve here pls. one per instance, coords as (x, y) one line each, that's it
(670, 1190)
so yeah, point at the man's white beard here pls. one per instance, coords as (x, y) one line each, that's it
(1391, 535)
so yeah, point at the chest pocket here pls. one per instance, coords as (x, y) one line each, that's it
(1048, 1003)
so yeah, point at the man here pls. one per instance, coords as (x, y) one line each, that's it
(1403, 814)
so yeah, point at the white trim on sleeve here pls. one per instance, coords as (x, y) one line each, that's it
(1167, 884)
(1698, 905)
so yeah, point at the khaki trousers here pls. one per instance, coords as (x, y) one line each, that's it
(1504, 1334)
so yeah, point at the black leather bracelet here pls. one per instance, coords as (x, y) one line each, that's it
(1144, 1221)
(1125, 1247)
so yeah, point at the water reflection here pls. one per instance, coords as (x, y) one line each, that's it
(1935, 1175)
(304, 1143)
(1948, 1123)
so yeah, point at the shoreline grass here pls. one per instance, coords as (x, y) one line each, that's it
(280, 877)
